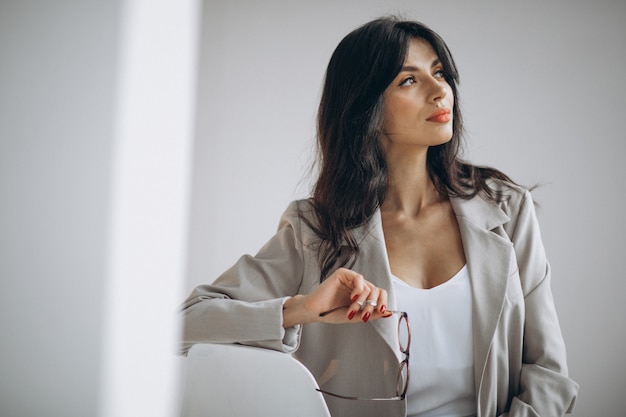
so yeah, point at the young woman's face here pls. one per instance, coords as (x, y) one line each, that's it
(418, 103)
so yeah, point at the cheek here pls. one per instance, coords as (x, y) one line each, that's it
(389, 117)
(393, 122)
(450, 95)
(400, 112)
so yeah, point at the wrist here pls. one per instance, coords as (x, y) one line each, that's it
(295, 312)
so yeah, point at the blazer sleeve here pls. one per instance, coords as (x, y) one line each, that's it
(545, 388)
(244, 305)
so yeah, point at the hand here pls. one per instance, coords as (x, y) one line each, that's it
(342, 297)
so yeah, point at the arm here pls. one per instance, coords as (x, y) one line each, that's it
(341, 298)
(545, 388)
(244, 305)
(257, 301)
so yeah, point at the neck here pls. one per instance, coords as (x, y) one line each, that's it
(410, 188)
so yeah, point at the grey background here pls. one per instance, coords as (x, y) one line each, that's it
(57, 84)
(542, 90)
(82, 332)
(543, 96)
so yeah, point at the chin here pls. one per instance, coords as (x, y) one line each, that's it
(442, 140)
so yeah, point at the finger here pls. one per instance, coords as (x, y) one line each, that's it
(358, 302)
(382, 301)
(381, 310)
(354, 281)
(370, 304)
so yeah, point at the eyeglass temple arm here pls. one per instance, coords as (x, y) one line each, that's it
(325, 313)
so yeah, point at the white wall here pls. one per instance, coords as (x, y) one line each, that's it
(155, 106)
(96, 108)
(57, 84)
(543, 93)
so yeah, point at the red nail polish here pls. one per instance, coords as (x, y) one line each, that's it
(351, 315)
(383, 308)
(355, 297)
(366, 317)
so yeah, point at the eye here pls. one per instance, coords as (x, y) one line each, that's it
(408, 81)
(440, 73)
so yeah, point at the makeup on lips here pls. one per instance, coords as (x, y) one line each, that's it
(440, 116)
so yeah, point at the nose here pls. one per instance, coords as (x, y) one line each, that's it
(439, 90)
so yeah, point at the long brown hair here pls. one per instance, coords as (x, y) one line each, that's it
(352, 180)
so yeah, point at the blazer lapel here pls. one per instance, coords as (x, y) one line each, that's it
(488, 257)
(373, 264)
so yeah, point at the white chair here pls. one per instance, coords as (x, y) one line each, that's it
(223, 380)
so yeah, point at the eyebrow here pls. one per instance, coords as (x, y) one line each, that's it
(412, 68)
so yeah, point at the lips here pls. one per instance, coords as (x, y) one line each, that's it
(440, 116)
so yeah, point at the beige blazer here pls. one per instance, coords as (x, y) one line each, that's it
(519, 355)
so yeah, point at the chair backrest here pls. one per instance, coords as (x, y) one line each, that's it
(234, 380)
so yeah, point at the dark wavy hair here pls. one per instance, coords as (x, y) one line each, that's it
(352, 180)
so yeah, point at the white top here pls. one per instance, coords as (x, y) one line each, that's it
(441, 360)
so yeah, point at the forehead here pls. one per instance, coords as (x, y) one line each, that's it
(420, 51)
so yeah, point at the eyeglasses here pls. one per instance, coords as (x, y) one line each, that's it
(402, 381)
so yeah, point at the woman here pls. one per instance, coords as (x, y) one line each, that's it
(398, 223)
